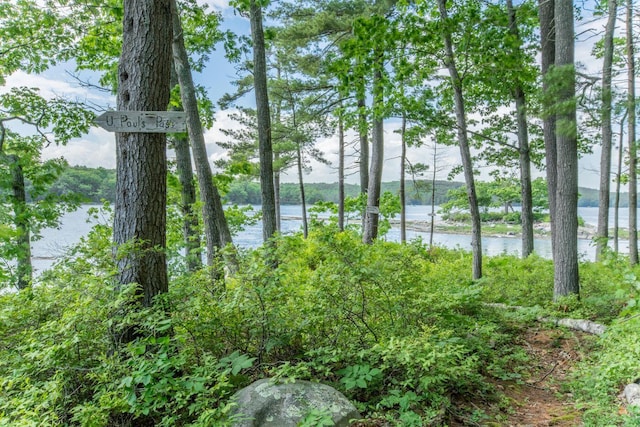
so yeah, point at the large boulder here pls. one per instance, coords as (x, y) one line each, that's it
(264, 404)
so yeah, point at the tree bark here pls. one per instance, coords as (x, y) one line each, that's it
(566, 275)
(607, 135)
(633, 147)
(24, 268)
(216, 230)
(372, 211)
(546, 13)
(264, 123)
(463, 143)
(403, 198)
(140, 207)
(526, 213)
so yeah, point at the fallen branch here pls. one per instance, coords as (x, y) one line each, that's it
(575, 324)
(555, 365)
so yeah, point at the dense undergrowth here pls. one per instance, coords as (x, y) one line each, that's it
(400, 329)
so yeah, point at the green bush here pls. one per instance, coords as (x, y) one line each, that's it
(612, 365)
(402, 330)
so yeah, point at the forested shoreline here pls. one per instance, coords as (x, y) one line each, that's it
(98, 184)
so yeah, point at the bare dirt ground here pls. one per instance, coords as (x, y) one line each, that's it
(541, 399)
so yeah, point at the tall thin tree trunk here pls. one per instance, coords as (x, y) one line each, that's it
(341, 194)
(546, 13)
(305, 223)
(363, 137)
(24, 268)
(566, 275)
(526, 214)
(184, 168)
(605, 157)
(372, 211)
(139, 230)
(269, 226)
(188, 199)
(216, 230)
(276, 193)
(616, 204)
(433, 195)
(403, 198)
(633, 147)
(276, 159)
(463, 142)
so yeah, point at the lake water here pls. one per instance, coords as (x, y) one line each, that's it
(76, 224)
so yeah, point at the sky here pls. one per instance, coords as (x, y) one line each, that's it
(97, 148)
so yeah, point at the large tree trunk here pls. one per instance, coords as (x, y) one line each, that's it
(546, 12)
(633, 147)
(139, 229)
(264, 123)
(526, 213)
(372, 211)
(341, 173)
(463, 142)
(24, 268)
(605, 157)
(566, 278)
(616, 203)
(403, 196)
(216, 230)
(188, 199)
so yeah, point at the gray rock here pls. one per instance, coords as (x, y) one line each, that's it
(263, 404)
(632, 394)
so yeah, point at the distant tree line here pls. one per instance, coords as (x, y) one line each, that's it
(97, 184)
(93, 184)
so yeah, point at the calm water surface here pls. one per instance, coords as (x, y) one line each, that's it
(55, 242)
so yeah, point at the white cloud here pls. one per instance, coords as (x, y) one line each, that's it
(96, 149)
(220, 5)
(56, 87)
(214, 135)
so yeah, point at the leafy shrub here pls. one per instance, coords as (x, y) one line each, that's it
(401, 329)
(612, 365)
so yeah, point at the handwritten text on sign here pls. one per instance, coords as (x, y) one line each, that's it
(143, 121)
